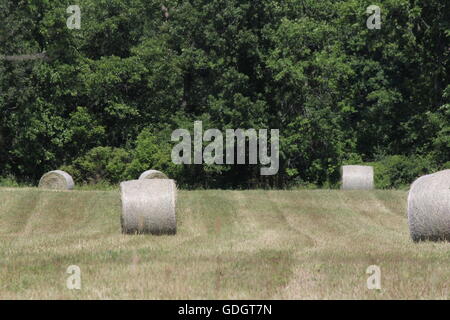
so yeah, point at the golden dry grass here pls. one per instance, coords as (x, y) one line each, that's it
(230, 245)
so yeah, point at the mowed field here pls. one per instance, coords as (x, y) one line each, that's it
(306, 244)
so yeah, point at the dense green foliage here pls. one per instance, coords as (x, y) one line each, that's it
(104, 104)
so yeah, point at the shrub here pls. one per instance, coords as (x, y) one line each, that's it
(100, 165)
(153, 152)
(400, 171)
(8, 181)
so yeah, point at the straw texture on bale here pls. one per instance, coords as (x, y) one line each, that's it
(357, 178)
(56, 180)
(153, 174)
(148, 206)
(429, 207)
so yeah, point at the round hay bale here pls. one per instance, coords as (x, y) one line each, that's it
(148, 206)
(152, 174)
(56, 180)
(429, 207)
(357, 178)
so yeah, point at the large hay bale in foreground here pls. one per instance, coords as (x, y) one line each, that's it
(152, 174)
(148, 206)
(429, 207)
(56, 180)
(357, 177)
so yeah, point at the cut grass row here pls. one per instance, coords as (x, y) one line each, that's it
(230, 245)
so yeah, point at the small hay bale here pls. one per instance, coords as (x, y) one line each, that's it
(357, 178)
(153, 174)
(148, 206)
(429, 207)
(56, 180)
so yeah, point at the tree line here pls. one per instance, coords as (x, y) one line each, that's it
(103, 103)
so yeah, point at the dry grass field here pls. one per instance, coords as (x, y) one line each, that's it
(306, 244)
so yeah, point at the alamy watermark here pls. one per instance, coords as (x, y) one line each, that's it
(73, 282)
(374, 20)
(235, 152)
(74, 21)
(374, 281)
